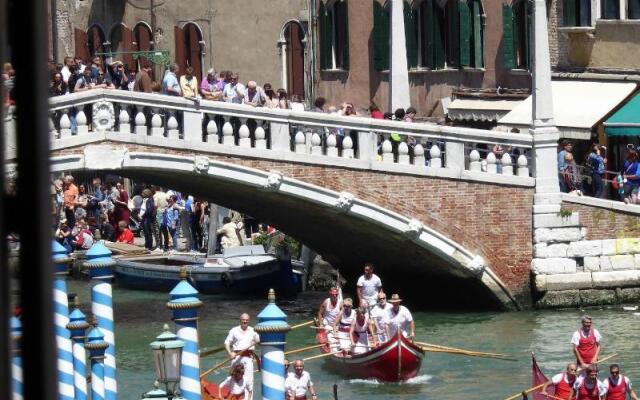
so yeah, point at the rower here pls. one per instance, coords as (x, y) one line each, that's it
(368, 286)
(588, 387)
(240, 344)
(359, 332)
(379, 315)
(328, 312)
(399, 318)
(298, 382)
(342, 324)
(586, 343)
(562, 383)
(618, 385)
(236, 384)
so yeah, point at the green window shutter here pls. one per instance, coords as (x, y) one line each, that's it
(478, 53)
(464, 21)
(410, 34)
(325, 22)
(569, 12)
(342, 34)
(527, 34)
(427, 24)
(380, 37)
(508, 38)
(438, 36)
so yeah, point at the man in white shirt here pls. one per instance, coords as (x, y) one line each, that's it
(380, 316)
(562, 383)
(233, 91)
(587, 343)
(65, 72)
(588, 386)
(618, 385)
(368, 286)
(297, 383)
(240, 344)
(400, 319)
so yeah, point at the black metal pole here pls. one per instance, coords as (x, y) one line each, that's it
(5, 313)
(29, 47)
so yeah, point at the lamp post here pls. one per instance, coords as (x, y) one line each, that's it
(61, 260)
(167, 357)
(97, 346)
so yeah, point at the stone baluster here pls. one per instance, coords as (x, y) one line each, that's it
(81, 120)
(261, 138)
(403, 153)
(141, 124)
(227, 134)
(418, 155)
(316, 144)
(507, 165)
(436, 156)
(156, 125)
(65, 125)
(52, 128)
(332, 149)
(492, 163)
(212, 131)
(172, 128)
(61, 262)
(300, 145)
(347, 147)
(124, 122)
(387, 151)
(523, 168)
(474, 161)
(244, 134)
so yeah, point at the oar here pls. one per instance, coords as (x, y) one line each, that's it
(286, 353)
(457, 349)
(321, 355)
(219, 365)
(207, 353)
(303, 324)
(468, 353)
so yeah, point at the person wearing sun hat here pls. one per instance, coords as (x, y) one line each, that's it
(400, 319)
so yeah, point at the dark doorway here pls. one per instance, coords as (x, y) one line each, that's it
(294, 35)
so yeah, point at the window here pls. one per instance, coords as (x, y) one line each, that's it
(577, 12)
(189, 48)
(95, 40)
(142, 42)
(516, 25)
(121, 42)
(633, 9)
(334, 35)
(610, 9)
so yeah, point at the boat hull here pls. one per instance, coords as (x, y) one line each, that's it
(396, 360)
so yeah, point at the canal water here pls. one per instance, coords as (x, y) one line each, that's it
(139, 317)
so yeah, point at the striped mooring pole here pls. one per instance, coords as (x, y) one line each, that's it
(97, 346)
(272, 327)
(16, 359)
(61, 312)
(99, 263)
(77, 326)
(184, 303)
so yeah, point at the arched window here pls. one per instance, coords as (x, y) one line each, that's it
(95, 39)
(293, 58)
(334, 34)
(121, 39)
(142, 41)
(189, 48)
(516, 24)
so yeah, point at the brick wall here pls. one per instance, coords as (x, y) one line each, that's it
(492, 220)
(606, 224)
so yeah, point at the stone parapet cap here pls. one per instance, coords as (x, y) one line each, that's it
(602, 203)
(576, 29)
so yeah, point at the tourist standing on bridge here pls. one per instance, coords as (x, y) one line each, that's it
(618, 385)
(342, 324)
(143, 81)
(379, 315)
(233, 91)
(586, 343)
(400, 319)
(170, 84)
(562, 383)
(189, 84)
(368, 287)
(588, 387)
(209, 87)
(254, 96)
(240, 344)
(298, 382)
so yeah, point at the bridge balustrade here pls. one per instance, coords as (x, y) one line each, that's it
(305, 136)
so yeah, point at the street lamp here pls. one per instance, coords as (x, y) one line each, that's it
(167, 356)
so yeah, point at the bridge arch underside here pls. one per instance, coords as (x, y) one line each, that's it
(423, 266)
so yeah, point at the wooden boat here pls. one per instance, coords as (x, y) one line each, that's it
(396, 360)
(244, 269)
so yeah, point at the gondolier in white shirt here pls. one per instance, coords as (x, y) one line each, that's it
(240, 344)
(298, 382)
(379, 315)
(342, 325)
(327, 314)
(368, 287)
(359, 332)
(399, 319)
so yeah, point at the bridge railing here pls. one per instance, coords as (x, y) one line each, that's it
(216, 126)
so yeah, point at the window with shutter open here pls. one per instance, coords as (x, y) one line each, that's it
(431, 20)
(380, 37)
(508, 41)
(411, 35)
(333, 23)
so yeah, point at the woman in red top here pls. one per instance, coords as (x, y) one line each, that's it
(124, 233)
(121, 210)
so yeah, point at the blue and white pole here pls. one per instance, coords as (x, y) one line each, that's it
(16, 359)
(184, 303)
(100, 263)
(97, 346)
(61, 313)
(272, 328)
(77, 325)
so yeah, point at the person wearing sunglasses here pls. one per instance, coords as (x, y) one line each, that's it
(380, 315)
(618, 385)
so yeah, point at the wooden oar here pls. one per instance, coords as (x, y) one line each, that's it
(303, 324)
(219, 365)
(207, 353)
(286, 353)
(468, 353)
(457, 349)
(321, 355)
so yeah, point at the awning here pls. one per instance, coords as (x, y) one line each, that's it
(625, 121)
(480, 109)
(577, 106)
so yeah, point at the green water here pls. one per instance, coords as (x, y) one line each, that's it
(139, 317)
